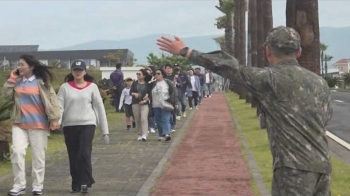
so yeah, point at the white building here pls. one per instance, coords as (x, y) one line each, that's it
(127, 71)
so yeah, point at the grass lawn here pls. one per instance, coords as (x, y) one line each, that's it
(259, 145)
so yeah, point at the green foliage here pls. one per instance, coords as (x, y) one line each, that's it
(132, 63)
(168, 59)
(5, 110)
(346, 78)
(332, 81)
(113, 57)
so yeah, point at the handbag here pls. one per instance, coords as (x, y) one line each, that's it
(164, 105)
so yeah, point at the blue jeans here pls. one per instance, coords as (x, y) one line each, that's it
(209, 87)
(163, 121)
(151, 124)
(182, 100)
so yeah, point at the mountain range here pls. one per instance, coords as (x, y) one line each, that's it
(337, 39)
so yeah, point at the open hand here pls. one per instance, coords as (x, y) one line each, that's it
(171, 46)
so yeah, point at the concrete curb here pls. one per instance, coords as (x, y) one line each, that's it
(251, 161)
(151, 180)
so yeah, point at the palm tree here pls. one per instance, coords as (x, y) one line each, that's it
(323, 47)
(239, 38)
(326, 59)
(226, 22)
(346, 79)
(302, 15)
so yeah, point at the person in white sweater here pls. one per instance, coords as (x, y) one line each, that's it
(81, 110)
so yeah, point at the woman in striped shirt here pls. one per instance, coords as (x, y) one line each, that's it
(36, 111)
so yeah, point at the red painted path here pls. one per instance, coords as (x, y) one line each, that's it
(208, 161)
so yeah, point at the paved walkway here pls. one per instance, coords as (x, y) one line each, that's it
(119, 169)
(208, 161)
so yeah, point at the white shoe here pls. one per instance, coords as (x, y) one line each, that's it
(184, 114)
(37, 191)
(160, 138)
(152, 130)
(172, 131)
(17, 191)
(139, 138)
(196, 107)
(143, 138)
(178, 117)
(190, 108)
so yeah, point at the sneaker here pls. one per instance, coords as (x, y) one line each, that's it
(17, 191)
(209, 96)
(184, 114)
(74, 191)
(37, 191)
(152, 130)
(196, 107)
(84, 189)
(178, 117)
(167, 137)
(139, 138)
(172, 131)
(143, 138)
(160, 138)
(190, 108)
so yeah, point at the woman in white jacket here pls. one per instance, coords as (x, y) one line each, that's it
(81, 106)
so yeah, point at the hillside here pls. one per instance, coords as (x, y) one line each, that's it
(336, 38)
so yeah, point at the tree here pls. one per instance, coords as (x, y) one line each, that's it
(54, 63)
(326, 59)
(323, 47)
(132, 63)
(302, 15)
(167, 59)
(346, 79)
(221, 42)
(113, 57)
(226, 22)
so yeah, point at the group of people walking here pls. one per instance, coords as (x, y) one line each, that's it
(78, 108)
(157, 99)
(152, 101)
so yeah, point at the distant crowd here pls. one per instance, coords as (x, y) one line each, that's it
(159, 97)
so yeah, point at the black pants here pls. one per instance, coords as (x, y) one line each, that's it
(116, 98)
(79, 146)
(194, 97)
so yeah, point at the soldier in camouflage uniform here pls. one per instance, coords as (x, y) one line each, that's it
(297, 109)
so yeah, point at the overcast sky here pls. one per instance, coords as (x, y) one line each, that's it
(55, 24)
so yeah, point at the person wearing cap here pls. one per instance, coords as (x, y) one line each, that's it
(297, 109)
(126, 100)
(81, 110)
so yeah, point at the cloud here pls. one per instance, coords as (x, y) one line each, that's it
(55, 24)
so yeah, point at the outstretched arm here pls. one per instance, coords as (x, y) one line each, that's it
(256, 80)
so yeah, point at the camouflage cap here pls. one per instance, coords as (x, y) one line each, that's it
(283, 37)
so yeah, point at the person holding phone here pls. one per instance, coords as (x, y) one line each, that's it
(35, 111)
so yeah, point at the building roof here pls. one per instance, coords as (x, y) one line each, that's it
(69, 54)
(341, 61)
(18, 48)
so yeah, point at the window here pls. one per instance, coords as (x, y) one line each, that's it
(65, 64)
(87, 62)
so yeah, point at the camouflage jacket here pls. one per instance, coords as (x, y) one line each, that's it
(297, 108)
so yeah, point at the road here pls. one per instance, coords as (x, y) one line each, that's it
(339, 125)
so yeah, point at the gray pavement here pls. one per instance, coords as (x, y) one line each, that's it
(120, 168)
(339, 125)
